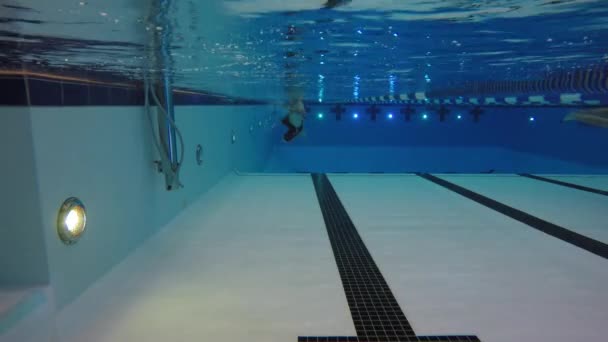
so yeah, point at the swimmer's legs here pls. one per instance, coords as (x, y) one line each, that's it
(292, 132)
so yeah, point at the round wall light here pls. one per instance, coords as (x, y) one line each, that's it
(71, 220)
(233, 137)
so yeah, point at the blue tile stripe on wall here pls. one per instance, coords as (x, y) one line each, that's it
(21, 89)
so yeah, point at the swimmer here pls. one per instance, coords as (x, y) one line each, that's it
(294, 120)
(590, 116)
(329, 4)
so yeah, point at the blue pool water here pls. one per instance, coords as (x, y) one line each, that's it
(451, 167)
(364, 48)
(524, 64)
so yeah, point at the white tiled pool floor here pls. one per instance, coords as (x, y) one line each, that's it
(581, 211)
(251, 261)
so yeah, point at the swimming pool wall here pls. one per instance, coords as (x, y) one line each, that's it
(505, 140)
(104, 155)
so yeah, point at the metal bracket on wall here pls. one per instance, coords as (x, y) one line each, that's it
(199, 154)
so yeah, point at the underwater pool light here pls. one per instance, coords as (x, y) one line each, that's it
(390, 115)
(320, 115)
(355, 116)
(425, 116)
(531, 119)
(459, 117)
(71, 220)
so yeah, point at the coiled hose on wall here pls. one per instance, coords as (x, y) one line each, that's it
(162, 152)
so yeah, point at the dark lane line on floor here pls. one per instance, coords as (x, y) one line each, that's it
(566, 184)
(591, 245)
(375, 312)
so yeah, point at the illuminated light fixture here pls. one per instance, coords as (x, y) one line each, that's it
(390, 115)
(459, 117)
(71, 221)
(531, 119)
(355, 116)
(320, 115)
(425, 116)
